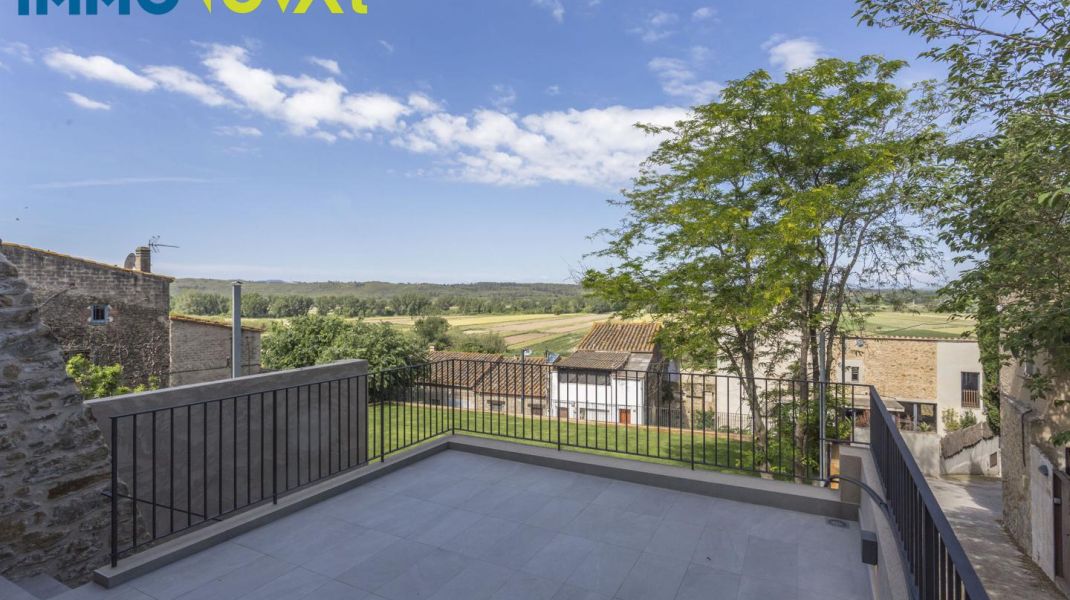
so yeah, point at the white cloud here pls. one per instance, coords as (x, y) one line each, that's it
(679, 80)
(553, 90)
(238, 131)
(18, 50)
(387, 46)
(790, 54)
(98, 68)
(594, 147)
(658, 26)
(704, 14)
(179, 80)
(557, 10)
(87, 103)
(503, 96)
(331, 66)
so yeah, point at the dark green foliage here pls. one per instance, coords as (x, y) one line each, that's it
(432, 331)
(316, 339)
(202, 304)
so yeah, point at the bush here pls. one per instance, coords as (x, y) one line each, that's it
(101, 381)
(490, 343)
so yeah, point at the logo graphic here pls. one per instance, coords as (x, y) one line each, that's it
(162, 7)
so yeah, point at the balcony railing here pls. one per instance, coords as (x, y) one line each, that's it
(179, 468)
(937, 562)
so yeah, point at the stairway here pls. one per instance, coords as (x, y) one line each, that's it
(38, 587)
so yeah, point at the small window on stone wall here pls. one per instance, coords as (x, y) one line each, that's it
(99, 314)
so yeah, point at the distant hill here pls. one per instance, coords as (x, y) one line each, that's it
(382, 289)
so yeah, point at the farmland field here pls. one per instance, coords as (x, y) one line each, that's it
(560, 333)
(556, 333)
(923, 324)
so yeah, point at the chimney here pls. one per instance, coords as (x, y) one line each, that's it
(143, 259)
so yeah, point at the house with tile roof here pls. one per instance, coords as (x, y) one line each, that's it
(486, 382)
(617, 375)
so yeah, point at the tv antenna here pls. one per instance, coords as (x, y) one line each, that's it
(155, 245)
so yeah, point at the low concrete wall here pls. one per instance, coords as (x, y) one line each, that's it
(888, 579)
(926, 450)
(212, 448)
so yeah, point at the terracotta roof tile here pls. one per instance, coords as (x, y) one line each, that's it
(618, 336)
(600, 361)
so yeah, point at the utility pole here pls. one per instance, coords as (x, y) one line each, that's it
(235, 349)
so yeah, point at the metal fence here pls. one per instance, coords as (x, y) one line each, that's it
(180, 468)
(937, 563)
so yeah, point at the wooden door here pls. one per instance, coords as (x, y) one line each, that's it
(562, 413)
(624, 416)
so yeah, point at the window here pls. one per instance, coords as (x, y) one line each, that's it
(854, 374)
(971, 389)
(585, 377)
(497, 405)
(536, 411)
(99, 314)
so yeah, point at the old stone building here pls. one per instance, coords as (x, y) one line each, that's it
(53, 519)
(920, 377)
(1036, 483)
(201, 348)
(110, 314)
(120, 315)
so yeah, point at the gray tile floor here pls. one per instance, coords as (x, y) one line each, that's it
(467, 527)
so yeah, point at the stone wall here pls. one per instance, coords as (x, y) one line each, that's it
(53, 519)
(1027, 423)
(900, 368)
(200, 351)
(65, 288)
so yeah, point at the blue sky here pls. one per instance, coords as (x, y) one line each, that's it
(425, 141)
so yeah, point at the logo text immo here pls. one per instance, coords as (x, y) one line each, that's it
(160, 7)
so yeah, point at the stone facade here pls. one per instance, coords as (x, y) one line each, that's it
(925, 371)
(53, 519)
(200, 350)
(1029, 460)
(134, 305)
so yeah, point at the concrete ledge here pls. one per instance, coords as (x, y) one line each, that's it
(189, 544)
(741, 488)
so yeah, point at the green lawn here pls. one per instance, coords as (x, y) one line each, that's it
(410, 424)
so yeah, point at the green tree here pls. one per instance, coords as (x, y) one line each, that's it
(432, 331)
(255, 305)
(756, 216)
(316, 339)
(290, 306)
(1005, 209)
(101, 381)
(202, 303)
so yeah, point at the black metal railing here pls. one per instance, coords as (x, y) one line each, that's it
(938, 565)
(179, 468)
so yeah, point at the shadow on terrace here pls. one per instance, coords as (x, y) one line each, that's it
(512, 479)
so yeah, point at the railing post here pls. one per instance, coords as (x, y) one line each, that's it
(382, 430)
(114, 492)
(274, 447)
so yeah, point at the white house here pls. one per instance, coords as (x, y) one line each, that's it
(616, 375)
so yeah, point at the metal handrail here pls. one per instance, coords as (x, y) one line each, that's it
(938, 564)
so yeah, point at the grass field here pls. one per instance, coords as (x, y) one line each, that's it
(924, 324)
(410, 424)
